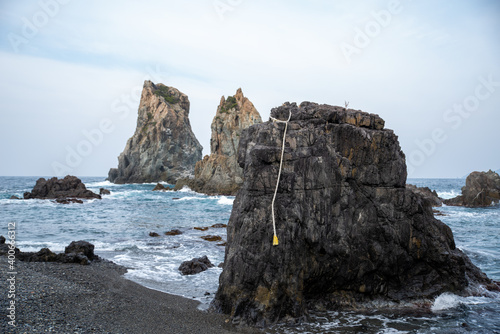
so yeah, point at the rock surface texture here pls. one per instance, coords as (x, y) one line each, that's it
(163, 147)
(350, 232)
(481, 189)
(60, 189)
(427, 193)
(220, 172)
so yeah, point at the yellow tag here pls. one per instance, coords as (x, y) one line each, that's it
(275, 240)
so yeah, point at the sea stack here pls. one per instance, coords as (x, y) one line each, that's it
(481, 189)
(163, 147)
(351, 235)
(220, 172)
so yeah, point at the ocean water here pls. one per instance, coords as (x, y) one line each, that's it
(120, 223)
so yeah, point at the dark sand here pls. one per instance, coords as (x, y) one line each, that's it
(71, 298)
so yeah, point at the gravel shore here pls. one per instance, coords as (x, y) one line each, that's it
(73, 298)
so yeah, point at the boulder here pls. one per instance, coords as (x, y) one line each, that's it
(81, 252)
(481, 189)
(220, 173)
(103, 191)
(350, 232)
(159, 187)
(14, 197)
(195, 266)
(153, 234)
(163, 147)
(63, 190)
(427, 194)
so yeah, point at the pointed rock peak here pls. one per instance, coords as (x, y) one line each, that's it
(167, 94)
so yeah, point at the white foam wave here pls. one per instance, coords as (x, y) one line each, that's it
(99, 184)
(186, 189)
(448, 194)
(223, 200)
(190, 198)
(448, 301)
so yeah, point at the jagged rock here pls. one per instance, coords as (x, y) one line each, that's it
(159, 187)
(481, 189)
(83, 247)
(426, 193)
(163, 147)
(173, 232)
(349, 230)
(81, 252)
(195, 266)
(220, 173)
(104, 191)
(63, 190)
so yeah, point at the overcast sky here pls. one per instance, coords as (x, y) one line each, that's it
(71, 73)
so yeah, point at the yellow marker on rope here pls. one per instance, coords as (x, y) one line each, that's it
(275, 237)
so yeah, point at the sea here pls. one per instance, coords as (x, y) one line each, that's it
(120, 224)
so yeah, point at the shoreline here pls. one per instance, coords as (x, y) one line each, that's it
(97, 298)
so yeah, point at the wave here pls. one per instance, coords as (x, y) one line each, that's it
(100, 184)
(448, 194)
(223, 200)
(448, 301)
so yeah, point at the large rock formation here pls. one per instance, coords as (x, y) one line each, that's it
(163, 147)
(481, 189)
(60, 189)
(220, 173)
(349, 231)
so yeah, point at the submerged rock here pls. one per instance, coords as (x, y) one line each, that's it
(481, 189)
(103, 191)
(349, 230)
(195, 266)
(220, 173)
(173, 232)
(426, 193)
(63, 190)
(163, 147)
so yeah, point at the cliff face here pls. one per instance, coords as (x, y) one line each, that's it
(163, 147)
(220, 173)
(349, 231)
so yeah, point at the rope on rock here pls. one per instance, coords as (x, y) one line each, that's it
(275, 237)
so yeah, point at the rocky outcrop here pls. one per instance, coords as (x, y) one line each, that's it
(481, 189)
(103, 191)
(163, 147)
(81, 252)
(220, 173)
(63, 190)
(195, 266)
(427, 194)
(350, 232)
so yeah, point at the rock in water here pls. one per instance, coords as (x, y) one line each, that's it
(195, 266)
(61, 189)
(163, 147)
(349, 230)
(481, 189)
(426, 193)
(220, 173)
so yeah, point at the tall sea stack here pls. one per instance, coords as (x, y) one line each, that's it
(351, 235)
(220, 173)
(163, 147)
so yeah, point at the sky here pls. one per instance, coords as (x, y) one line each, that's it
(71, 73)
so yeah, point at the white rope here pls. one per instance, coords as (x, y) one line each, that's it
(275, 237)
